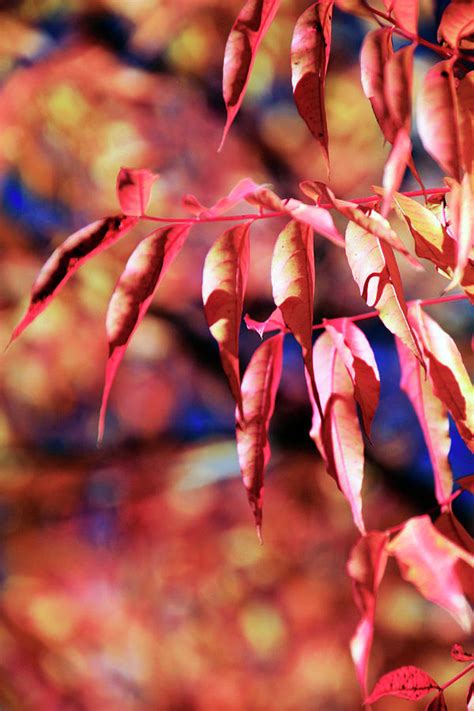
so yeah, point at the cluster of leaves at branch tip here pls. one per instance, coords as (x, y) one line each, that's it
(340, 368)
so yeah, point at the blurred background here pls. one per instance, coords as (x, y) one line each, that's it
(131, 577)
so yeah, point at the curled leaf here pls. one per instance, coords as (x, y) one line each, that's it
(274, 322)
(67, 258)
(259, 388)
(310, 49)
(337, 433)
(245, 37)
(433, 418)
(358, 357)
(134, 189)
(133, 295)
(428, 560)
(244, 189)
(460, 655)
(224, 281)
(406, 682)
(456, 23)
(376, 272)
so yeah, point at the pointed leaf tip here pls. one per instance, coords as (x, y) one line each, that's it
(407, 682)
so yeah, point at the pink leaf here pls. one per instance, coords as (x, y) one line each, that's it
(372, 223)
(460, 655)
(223, 287)
(274, 322)
(244, 189)
(438, 120)
(133, 294)
(428, 560)
(376, 51)
(366, 567)
(133, 190)
(447, 372)
(67, 258)
(259, 388)
(406, 682)
(398, 86)
(437, 704)
(394, 169)
(337, 434)
(405, 12)
(433, 418)
(376, 272)
(310, 49)
(462, 225)
(456, 23)
(357, 355)
(245, 37)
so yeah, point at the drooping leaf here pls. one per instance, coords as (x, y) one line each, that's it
(395, 167)
(366, 567)
(259, 388)
(134, 189)
(470, 697)
(244, 39)
(337, 434)
(438, 703)
(460, 655)
(224, 281)
(433, 418)
(405, 12)
(438, 119)
(310, 49)
(293, 280)
(398, 86)
(67, 258)
(274, 322)
(456, 23)
(375, 53)
(431, 239)
(377, 227)
(405, 682)
(133, 294)
(465, 105)
(358, 357)
(462, 225)
(244, 189)
(427, 559)
(447, 372)
(376, 273)
(316, 217)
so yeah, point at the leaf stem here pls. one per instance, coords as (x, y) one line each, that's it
(443, 51)
(281, 213)
(458, 676)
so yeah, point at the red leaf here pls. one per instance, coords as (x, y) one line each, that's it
(462, 225)
(437, 704)
(133, 294)
(395, 167)
(133, 190)
(244, 189)
(466, 483)
(427, 559)
(259, 388)
(366, 567)
(357, 355)
(405, 12)
(457, 22)
(338, 435)
(433, 419)
(447, 372)
(470, 697)
(293, 281)
(438, 119)
(398, 85)
(310, 49)
(460, 655)
(431, 238)
(376, 272)
(274, 322)
(376, 51)
(448, 525)
(377, 227)
(246, 34)
(67, 258)
(406, 682)
(223, 287)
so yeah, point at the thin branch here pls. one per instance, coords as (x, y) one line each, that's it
(443, 51)
(267, 215)
(469, 668)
